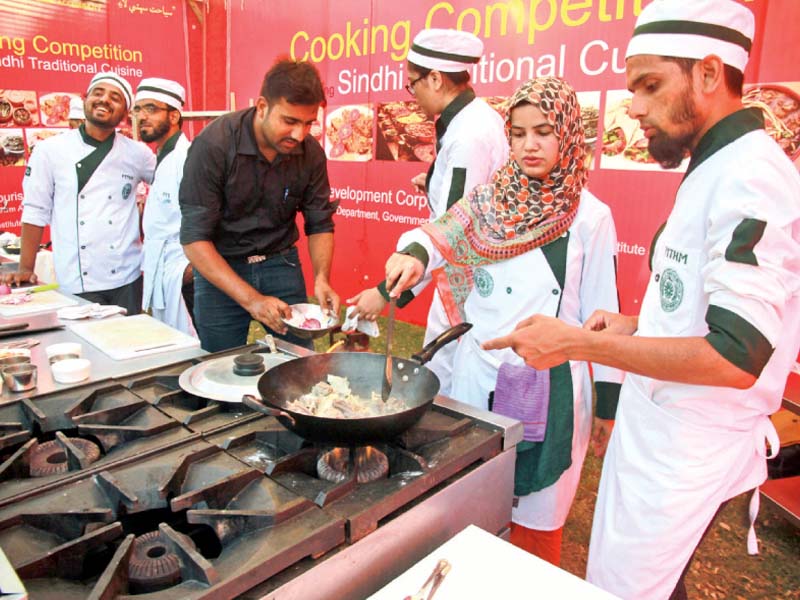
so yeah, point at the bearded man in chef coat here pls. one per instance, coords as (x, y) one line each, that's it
(719, 326)
(168, 289)
(82, 183)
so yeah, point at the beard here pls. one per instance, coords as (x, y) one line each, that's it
(109, 122)
(668, 150)
(158, 131)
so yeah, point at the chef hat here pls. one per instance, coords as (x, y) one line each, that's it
(446, 50)
(115, 80)
(695, 29)
(167, 91)
(76, 108)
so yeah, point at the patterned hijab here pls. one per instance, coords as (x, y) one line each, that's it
(514, 213)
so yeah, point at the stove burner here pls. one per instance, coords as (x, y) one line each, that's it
(153, 566)
(50, 458)
(336, 466)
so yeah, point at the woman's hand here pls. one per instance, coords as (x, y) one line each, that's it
(369, 304)
(402, 272)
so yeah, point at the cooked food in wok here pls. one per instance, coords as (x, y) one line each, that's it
(334, 399)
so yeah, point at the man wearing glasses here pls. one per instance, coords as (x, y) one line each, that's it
(168, 289)
(470, 146)
(82, 183)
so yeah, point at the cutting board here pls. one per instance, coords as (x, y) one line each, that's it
(39, 302)
(122, 338)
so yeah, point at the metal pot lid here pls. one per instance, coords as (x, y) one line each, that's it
(215, 379)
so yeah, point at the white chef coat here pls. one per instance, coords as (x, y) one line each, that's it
(95, 233)
(678, 451)
(164, 260)
(515, 289)
(474, 141)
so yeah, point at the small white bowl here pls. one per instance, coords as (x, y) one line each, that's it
(63, 351)
(71, 370)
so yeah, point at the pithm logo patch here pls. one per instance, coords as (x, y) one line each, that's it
(671, 288)
(126, 191)
(483, 282)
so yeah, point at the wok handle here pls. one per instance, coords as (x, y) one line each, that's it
(445, 338)
(251, 401)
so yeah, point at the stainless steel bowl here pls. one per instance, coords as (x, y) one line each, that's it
(10, 361)
(20, 378)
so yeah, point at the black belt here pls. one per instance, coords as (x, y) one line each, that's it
(257, 258)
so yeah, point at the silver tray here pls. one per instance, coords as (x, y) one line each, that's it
(214, 379)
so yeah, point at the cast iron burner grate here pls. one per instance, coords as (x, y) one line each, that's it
(189, 522)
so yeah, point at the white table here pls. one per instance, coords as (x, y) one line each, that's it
(485, 566)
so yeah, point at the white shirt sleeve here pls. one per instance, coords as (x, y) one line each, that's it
(38, 188)
(758, 207)
(435, 258)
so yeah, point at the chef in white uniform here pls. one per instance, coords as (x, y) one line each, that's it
(719, 326)
(82, 183)
(157, 106)
(534, 240)
(470, 146)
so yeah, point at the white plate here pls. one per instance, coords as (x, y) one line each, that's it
(214, 379)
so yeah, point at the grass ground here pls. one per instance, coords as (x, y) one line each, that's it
(722, 569)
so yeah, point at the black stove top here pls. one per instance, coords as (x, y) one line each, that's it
(137, 488)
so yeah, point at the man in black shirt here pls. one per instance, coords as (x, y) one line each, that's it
(246, 177)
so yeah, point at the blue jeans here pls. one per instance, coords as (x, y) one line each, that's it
(222, 323)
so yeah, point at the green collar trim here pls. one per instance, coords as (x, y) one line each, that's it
(728, 130)
(451, 110)
(168, 147)
(86, 167)
(87, 139)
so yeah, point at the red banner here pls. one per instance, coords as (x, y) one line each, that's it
(50, 50)
(361, 56)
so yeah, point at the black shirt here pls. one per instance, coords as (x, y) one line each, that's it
(234, 197)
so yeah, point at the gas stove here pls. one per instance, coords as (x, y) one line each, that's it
(135, 488)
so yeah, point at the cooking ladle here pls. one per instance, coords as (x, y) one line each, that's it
(386, 386)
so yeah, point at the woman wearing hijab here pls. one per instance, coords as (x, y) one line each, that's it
(535, 240)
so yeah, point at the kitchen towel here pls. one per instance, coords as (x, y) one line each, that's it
(523, 393)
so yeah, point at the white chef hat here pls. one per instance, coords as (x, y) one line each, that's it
(76, 108)
(115, 80)
(695, 29)
(167, 91)
(445, 50)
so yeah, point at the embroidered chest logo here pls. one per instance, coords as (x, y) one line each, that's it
(126, 191)
(483, 282)
(671, 288)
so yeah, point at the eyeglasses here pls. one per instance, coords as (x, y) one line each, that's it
(150, 109)
(410, 85)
